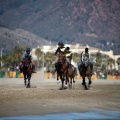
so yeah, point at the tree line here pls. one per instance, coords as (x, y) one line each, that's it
(100, 61)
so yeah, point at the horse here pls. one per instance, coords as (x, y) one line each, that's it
(61, 68)
(86, 71)
(27, 71)
(72, 72)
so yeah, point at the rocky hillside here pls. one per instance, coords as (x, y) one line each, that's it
(9, 39)
(93, 22)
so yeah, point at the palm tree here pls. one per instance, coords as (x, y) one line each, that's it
(49, 58)
(39, 55)
(110, 63)
(76, 57)
(8, 60)
(98, 59)
(17, 53)
(118, 62)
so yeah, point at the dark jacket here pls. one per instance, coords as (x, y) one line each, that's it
(59, 49)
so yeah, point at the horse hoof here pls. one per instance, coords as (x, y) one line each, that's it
(90, 82)
(86, 88)
(83, 83)
(61, 89)
(28, 86)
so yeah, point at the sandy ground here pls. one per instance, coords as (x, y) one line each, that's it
(45, 97)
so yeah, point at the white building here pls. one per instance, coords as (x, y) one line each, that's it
(77, 49)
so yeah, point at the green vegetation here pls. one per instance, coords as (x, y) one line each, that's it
(100, 61)
(14, 58)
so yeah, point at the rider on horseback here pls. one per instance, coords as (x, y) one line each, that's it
(83, 55)
(60, 48)
(25, 55)
(68, 55)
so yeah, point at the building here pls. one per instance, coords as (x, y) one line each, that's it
(77, 49)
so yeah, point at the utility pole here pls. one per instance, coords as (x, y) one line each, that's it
(114, 62)
(1, 57)
(107, 64)
(43, 61)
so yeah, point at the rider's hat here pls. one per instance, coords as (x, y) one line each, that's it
(28, 50)
(86, 49)
(68, 48)
(60, 43)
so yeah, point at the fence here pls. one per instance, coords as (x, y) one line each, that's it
(16, 74)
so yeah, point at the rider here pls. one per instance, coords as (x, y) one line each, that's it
(83, 55)
(60, 48)
(68, 55)
(27, 54)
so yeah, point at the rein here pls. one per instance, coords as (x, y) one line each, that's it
(61, 57)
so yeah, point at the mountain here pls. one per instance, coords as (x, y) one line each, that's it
(10, 39)
(92, 22)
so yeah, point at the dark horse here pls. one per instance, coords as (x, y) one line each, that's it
(86, 71)
(27, 71)
(71, 73)
(61, 67)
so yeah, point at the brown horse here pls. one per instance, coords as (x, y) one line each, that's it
(86, 71)
(71, 73)
(61, 68)
(27, 71)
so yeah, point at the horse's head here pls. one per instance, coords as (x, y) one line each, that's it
(27, 67)
(86, 61)
(61, 64)
(27, 61)
(85, 70)
(61, 57)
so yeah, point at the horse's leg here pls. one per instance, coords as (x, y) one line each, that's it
(66, 80)
(57, 76)
(28, 85)
(73, 80)
(75, 74)
(70, 82)
(84, 83)
(62, 80)
(89, 78)
(24, 79)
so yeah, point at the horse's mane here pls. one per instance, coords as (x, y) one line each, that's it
(27, 67)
